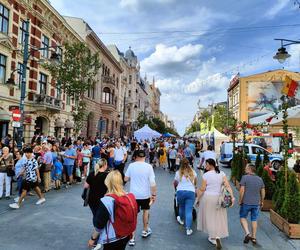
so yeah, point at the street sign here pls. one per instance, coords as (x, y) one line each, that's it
(16, 115)
(16, 124)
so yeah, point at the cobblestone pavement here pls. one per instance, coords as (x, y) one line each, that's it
(63, 223)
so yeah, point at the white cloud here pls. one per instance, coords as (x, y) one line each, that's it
(276, 8)
(170, 57)
(168, 85)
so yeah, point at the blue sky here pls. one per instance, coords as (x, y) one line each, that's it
(193, 47)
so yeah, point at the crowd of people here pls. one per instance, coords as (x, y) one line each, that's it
(99, 165)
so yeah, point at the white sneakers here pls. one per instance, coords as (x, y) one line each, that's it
(189, 232)
(40, 201)
(145, 234)
(179, 220)
(212, 241)
(17, 199)
(14, 206)
(131, 242)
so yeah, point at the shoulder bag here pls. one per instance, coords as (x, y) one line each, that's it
(225, 199)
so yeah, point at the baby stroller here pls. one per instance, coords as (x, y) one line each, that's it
(176, 209)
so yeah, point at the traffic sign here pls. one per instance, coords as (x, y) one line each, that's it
(16, 124)
(16, 115)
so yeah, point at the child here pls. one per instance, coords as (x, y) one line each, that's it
(79, 161)
(31, 180)
(178, 160)
(58, 168)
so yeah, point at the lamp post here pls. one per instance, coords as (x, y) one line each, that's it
(282, 54)
(26, 55)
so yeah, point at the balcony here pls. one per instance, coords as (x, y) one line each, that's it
(108, 79)
(45, 102)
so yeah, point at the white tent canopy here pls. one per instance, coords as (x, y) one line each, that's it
(146, 133)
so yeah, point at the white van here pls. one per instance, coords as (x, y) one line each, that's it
(251, 150)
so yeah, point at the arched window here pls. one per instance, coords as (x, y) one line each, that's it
(106, 95)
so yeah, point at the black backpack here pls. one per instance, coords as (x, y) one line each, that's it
(161, 152)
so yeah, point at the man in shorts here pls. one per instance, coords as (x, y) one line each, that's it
(252, 194)
(143, 186)
(32, 179)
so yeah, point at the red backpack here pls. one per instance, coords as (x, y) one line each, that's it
(125, 212)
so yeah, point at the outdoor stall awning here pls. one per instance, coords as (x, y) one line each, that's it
(146, 133)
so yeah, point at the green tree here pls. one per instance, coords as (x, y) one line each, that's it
(222, 118)
(269, 185)
(75, 74)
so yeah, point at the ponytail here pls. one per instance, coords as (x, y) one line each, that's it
(212, 162)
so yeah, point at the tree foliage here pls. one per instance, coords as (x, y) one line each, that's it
(75, 74)
(269, 185)
(154, 123)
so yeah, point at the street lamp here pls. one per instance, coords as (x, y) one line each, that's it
(53, 59)
(282, 54)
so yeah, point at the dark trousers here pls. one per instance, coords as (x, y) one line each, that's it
(173, 167)
(117, 245)
(94, 208)
(169, 162)
(120, 167)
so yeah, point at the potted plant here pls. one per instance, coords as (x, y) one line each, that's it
(286, 213)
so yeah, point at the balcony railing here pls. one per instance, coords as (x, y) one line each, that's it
(47, 102)
(108, 79)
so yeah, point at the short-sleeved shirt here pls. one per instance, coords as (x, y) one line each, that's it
(119, 154)
(185, 184)
(86, 152)
(187, 152)
(214, 182)
(31, 166)
(69, 161)
(97, 187)
(253, 184)
(142, 177)
(172, 154)
(48, 158)
(96, 151)
(209, 155)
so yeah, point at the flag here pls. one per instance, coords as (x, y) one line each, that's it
(212, 125)
(289, 87)
(202, 127)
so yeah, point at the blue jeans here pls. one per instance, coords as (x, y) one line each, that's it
(186, 201)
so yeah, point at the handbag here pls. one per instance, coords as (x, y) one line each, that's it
(225, 199)
(85, 196)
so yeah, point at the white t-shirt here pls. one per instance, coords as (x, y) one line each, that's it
(86, 152)
(185, 184)
(208, 155)
(213, 182)
(142, 177)
(119, 154)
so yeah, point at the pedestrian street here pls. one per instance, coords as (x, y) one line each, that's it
(63, 223)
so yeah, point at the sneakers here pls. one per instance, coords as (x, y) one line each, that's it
(145, 234)
(131, 242)
(179, 220)
(17, 199)
(212, 241)
(40, 201)
(14, 206)
(189, 232)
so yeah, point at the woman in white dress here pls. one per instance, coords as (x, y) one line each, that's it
(212, 219)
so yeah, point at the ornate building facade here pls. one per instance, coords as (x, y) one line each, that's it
(47, 109)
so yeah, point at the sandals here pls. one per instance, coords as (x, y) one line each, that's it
(247, 239)
(253, 241)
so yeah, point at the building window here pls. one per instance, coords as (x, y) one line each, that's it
(43, 84)
(117, 81)
(45, 46)
(129, 93)
(68, 100)
(4, 17)
(23, 27)
(59, 52)
(2, 68)
(107, 124)
(106, 95)
(130, 79)
(19, 71)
